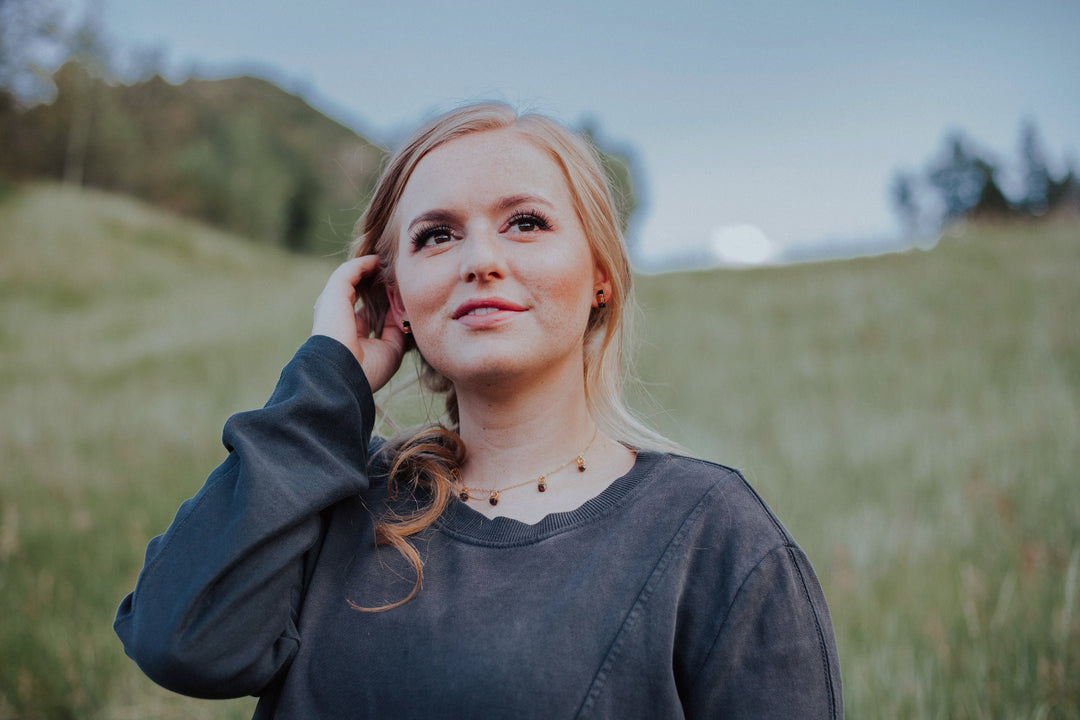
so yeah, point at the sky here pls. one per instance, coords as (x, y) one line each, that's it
(767, 124)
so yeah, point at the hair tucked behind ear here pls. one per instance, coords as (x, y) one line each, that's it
(424, 461)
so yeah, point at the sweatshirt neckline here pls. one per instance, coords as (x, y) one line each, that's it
(461, 521)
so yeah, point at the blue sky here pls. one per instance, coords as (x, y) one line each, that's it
(790, 117)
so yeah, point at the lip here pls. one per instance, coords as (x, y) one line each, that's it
(504, 309)
(492, 302)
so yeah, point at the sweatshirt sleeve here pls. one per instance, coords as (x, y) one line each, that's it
(775, 653)
(214, 611)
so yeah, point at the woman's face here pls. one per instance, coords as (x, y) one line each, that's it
(493, 271)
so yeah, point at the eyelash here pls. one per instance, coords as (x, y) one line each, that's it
(532, 216)
(421, 236)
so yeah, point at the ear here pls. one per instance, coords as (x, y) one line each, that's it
(397, 307)
(600, 283)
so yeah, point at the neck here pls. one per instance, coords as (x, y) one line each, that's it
(515, 434)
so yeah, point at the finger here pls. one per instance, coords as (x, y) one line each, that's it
(343, 280)
(354, 270)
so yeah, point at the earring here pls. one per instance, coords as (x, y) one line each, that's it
(406, 327)
(600, 304)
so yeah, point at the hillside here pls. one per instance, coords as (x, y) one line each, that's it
(126, 334)
(913, 419)
(240, 153)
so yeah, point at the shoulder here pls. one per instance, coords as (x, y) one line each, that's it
(724, 505)
(726, 533)
(752, 612)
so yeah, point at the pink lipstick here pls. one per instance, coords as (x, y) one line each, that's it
(486, 312)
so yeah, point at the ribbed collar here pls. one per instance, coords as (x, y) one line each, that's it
(467, 524)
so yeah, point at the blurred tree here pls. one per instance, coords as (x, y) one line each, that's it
(1037, 180)
(966, 182)
(299, 212)
(29, 32)
(967, 185)
(87, 50)
(992, 202)
(902, 192)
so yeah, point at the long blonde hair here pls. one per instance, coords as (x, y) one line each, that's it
(424, 460)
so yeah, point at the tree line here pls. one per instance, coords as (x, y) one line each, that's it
(964, 181)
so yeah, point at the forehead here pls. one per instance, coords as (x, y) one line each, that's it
(480, 167)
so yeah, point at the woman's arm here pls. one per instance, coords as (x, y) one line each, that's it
(214, 612)
(215, 608)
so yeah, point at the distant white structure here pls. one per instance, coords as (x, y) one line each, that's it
(747, 246)
(743, 246)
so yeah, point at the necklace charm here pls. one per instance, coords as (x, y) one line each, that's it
(465, 494)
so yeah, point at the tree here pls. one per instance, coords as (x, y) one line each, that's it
(1037, 180)
(966, 181)
(29, 34)
(904, 202)
(87, 51)
(992, 202)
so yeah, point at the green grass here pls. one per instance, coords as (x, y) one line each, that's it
(913, 419)
(126, 339)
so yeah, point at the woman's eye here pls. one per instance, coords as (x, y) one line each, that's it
(527, 222)
(432, 236)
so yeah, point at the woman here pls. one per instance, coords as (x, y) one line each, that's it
(540, 555)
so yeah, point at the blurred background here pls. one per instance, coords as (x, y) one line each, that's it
(857, 236)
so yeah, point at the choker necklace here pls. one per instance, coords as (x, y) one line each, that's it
(467, 493)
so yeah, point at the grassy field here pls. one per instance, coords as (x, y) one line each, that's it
(914, 420)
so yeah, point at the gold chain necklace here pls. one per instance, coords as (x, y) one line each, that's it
(492, 495)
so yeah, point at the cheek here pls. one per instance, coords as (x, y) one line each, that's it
(418, 291)
(566, 284)
(573, 293)
(417, 300)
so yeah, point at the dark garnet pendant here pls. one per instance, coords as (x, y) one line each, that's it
(580, 463)
(541, 484)
(494, 497)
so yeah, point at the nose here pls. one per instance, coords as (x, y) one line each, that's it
(482, 257)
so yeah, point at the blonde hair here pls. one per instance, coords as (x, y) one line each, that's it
(424, 461)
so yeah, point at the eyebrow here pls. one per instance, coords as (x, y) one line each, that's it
(433, 216)
(503, 203)
(513, 200)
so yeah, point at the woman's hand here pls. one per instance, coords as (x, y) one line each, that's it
(336, 317)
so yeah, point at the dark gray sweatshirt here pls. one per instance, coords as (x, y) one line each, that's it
(674, 593)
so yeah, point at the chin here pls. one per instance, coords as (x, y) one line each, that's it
(487, 364)
(503, 358)
(486, 371)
